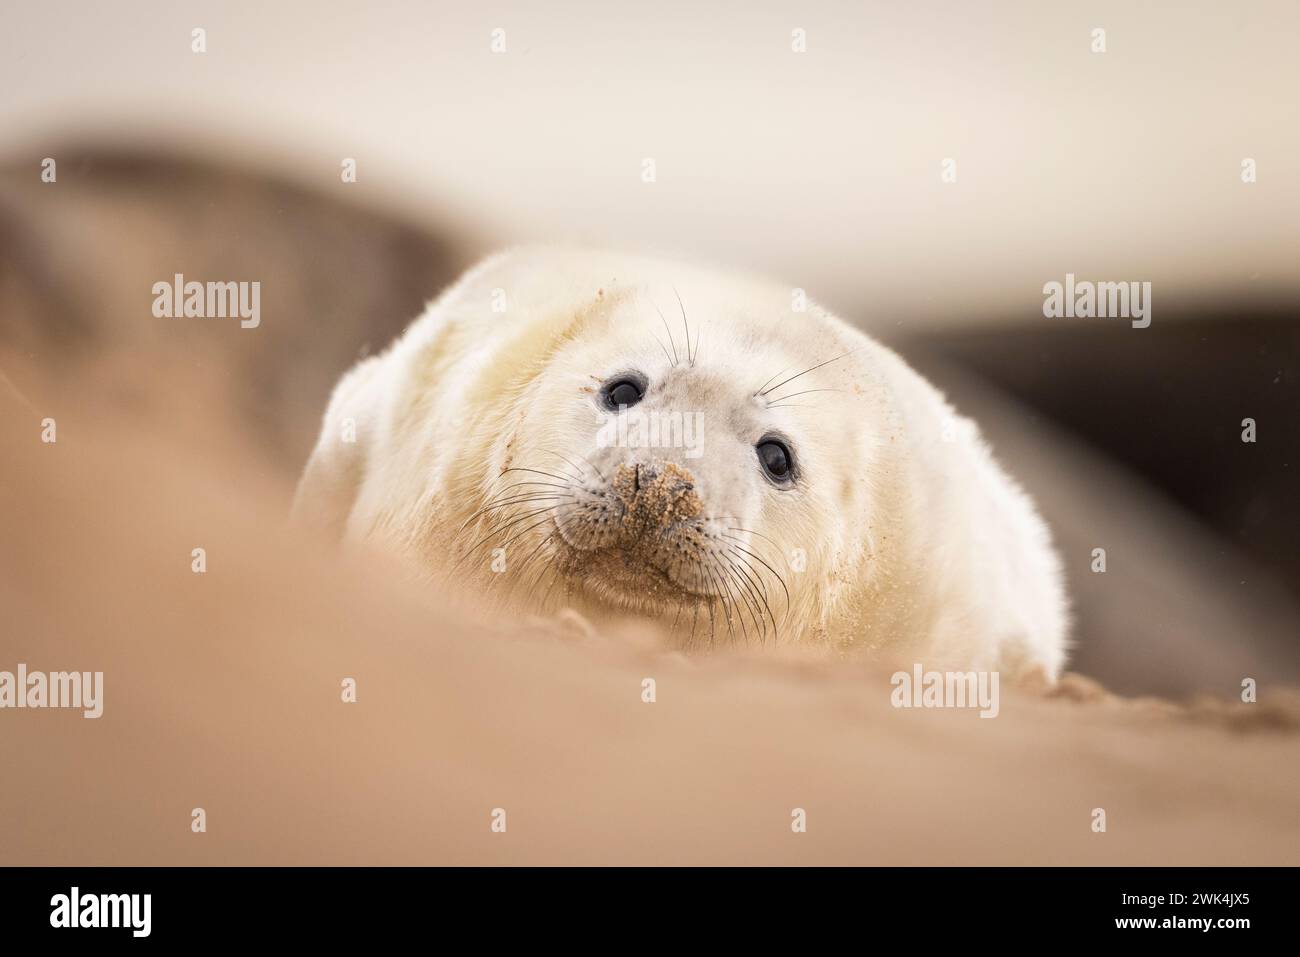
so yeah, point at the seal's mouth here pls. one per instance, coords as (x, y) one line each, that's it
(624, 578)
(635, 542)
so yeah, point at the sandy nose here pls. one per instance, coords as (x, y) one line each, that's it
(655, 496)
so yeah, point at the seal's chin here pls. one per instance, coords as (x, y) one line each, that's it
(623, 578)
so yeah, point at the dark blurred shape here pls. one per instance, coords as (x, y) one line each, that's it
(1168, 403)
(1131, 440)
(79, 257)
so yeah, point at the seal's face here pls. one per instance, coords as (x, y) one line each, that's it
(661, 467)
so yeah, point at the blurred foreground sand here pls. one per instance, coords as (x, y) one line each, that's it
(222, 691)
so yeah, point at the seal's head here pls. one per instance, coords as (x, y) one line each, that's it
(683, 448)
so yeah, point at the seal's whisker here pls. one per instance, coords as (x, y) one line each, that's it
(781, 398)
(484, 539)
(510, 491)
(729, 601)
(543, 489)
(745, 589)
(747, 570)
(703, 572)
(663, 347)
(523, 497)
(555, 580)
(516, 468)
(759, 390)
(504, 497)
(573, 464)
(806, 371)
(507, 488)
(712, 623)
(720, 586)
(513, 518)
(541, 573)
(515, 538)
(531, 496)
(517, 572)
(740, 542)
(779, 579)
(748, 589)
(735, 601)
(527, 503)
(736, 607)
(733, 587)
(690, 355)
(671, 341)
(585, 460)
(749, 531)
(501, 528)
(594, 468)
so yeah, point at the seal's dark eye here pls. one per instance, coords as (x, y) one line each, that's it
(623, 392)
(776, 459)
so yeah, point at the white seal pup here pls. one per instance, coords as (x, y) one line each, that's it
(577, 429)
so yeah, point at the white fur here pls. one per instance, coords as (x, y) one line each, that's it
(915, 540)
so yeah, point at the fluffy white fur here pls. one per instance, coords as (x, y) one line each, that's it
(899, 533)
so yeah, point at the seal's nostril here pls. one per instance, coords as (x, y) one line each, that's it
(637, 479)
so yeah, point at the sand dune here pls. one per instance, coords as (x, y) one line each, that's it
(222, 691)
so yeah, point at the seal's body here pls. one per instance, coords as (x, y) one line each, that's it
(578, 429)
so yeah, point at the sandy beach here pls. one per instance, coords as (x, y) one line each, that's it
(222, 692)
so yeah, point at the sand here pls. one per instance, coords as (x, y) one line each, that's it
(223, 691)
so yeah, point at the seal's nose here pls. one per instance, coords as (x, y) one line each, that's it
(656, 481)
(655, 496)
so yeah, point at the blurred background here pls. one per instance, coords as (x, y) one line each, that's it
(821, 168)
